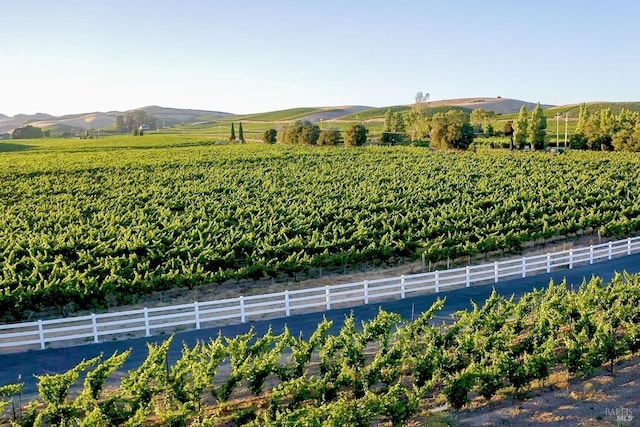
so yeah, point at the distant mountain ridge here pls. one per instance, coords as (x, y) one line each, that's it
(100, 120)
(76, 123)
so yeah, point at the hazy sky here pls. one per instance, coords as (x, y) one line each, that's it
(247, 56)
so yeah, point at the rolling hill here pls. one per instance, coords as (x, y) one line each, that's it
(78, 123)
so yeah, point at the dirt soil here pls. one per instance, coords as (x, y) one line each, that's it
(598, 399)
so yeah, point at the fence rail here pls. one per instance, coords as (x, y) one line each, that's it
(94, 327)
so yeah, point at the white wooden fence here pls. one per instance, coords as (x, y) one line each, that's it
(147, 321)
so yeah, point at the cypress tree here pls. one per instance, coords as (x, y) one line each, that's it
(521, 128)
(240, 133)
(233, 133)
(537, 126)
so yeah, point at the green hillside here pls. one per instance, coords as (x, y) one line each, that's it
(374, 113)
(276, 116)
(573, 109)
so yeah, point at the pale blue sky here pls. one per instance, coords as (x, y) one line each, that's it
(246, 56)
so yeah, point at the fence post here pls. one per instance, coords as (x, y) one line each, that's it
(146, 322)
(366, 291)
(196, 311)
(570, 258)
(403, 289)
(468, 274)
(524, 267)
(41, 332)
(548, 262)
(95, 328)
(590, 254)
(243, 316)
(495, 272)
(327, 296)
(437, 279)
(610, 249)
(287, 304)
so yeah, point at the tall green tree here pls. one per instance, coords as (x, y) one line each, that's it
(627, 136)
(356, 135)
(579, 139)
(537, 128)
(521, 128)
(595, 131)
(583, 119)
(482, 121)
(394, 122)
(606, 129)
(232, 138)
(329, 137)
(301, 133)
(598, 130)
(400, 125)
(270, 136)
(451, 130)
(240, 133)
(389, 121)
(417, 120)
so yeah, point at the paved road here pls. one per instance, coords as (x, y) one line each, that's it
(52, 361)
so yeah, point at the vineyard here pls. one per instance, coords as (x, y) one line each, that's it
(384, 370)
(102, 223)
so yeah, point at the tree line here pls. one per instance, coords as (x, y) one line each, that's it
(445, 130)
(529, 130)
(29, 132)
(132, 121)
(303, 132)
(604, 130)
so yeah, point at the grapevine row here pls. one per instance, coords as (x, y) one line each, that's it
(383, 370)
(105, 225)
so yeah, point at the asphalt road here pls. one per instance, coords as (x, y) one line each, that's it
(21, 367)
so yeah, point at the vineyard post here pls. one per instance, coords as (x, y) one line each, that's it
(287, 304)
(590, 254)
(41, 331)
(495, 272)
(403, 288)
(437, 279)
(95, 328)
(570, 258)
(146, 322)
(468, 274)
(196, 310)
(366, 291)
(243, 317)
(548, 262)
(327, 296)
(524, 267)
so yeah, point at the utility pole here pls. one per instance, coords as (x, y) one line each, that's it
(566, 127)
(557, 130)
